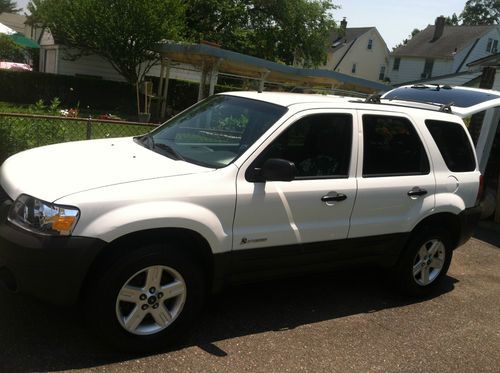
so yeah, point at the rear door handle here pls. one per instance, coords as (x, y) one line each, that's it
(417, 191)
(333, 196)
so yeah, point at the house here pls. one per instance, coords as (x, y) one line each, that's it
(358, 51)
(17, 22)
(440, 50)
(56, 59)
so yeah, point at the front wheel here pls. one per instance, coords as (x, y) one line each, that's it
(424, 263)
(146, 299)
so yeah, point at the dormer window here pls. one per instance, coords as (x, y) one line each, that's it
(492, 45)
(370, 44)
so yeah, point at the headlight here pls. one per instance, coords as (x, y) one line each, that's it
(43, 217)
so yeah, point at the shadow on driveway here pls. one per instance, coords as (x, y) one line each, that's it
(40, 337)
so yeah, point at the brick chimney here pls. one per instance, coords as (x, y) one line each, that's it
(438, 28)
(343, 24)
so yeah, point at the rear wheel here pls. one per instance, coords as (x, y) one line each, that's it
(146, 299)
(424, 263)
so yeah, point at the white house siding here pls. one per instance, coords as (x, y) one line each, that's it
(442, 67)
(182, 71)
(410, 69)
(87, 65)
(478, 52)
(368, 61)
(96, 66)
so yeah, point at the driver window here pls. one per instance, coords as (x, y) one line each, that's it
(319, 145)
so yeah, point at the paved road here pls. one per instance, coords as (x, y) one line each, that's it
(338, 322)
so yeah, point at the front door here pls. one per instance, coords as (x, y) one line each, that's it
(274, 218)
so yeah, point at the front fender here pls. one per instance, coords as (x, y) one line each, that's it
(152, 215)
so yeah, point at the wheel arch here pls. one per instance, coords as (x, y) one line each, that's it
(449, 222)
(198, 248)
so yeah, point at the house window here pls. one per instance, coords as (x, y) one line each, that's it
(429, 64)
(381, 75)
(492, 45)
(397, 61)
(370, 43)
(353, 70)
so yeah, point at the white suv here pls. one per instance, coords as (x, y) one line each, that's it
(241, 186)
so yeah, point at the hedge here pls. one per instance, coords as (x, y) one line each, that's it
(29, 87)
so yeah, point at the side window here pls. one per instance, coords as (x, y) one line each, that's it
(397, 62)
(392, 147)
(319, 145)
(453, 145)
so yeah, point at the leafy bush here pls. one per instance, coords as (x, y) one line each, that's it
(10, 51)
(30, 87)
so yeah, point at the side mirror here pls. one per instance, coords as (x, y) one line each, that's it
(275, 169)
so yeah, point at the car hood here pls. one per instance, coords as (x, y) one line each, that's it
(54, 171)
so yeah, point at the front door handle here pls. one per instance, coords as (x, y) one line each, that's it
(333, 196)
(417, 191)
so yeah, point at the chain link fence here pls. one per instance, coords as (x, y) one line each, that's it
(24, 131)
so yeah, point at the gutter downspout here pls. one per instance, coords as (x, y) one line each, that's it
(467, 55)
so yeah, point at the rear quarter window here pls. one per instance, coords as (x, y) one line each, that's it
(454, 145)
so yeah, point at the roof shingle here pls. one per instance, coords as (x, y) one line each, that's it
(453, 40)
(338, 40)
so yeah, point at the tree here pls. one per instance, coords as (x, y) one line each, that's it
(122, 32)
(405, 41)
(292, 31)
(10, 51)
(8, 6)
(452, 21)
(481, 12)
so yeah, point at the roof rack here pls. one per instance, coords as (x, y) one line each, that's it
(377, 99)
(437, 87)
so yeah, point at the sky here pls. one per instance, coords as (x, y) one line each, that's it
(394, 19)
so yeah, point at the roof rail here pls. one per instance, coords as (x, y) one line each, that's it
(377, 99)
(374, 99)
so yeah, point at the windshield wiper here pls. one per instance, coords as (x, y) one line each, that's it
(168, 149)
(149, 142)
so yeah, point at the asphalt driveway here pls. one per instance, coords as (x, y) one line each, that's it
(347, 321)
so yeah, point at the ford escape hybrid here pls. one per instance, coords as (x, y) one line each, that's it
(241, 186)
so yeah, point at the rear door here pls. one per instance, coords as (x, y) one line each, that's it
(396, 185)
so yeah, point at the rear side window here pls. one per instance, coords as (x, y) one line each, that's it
(453, 144)
(392, 147)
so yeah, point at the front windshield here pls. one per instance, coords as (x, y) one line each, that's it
(216, 131)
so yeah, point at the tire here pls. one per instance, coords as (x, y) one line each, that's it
(146, 300)
(424, 262)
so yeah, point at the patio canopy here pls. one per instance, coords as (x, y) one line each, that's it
(248, 66)
(212, 61)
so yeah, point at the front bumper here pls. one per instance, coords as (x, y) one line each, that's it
(468, 222)
(49, 268)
